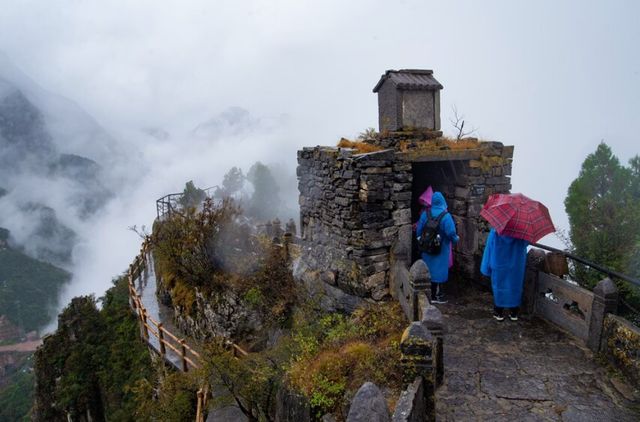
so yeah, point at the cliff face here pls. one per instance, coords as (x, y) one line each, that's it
(88, 369)
(67, 382)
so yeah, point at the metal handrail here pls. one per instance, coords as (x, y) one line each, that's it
(590, 264)
(165, 203)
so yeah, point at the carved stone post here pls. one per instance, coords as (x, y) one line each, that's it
(535, 263)
(605, 300)
(420, 281)
(417, 346)
(432, 319)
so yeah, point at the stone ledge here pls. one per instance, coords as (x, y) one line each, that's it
(418, 156)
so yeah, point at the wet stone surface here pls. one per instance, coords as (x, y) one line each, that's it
(526, 370)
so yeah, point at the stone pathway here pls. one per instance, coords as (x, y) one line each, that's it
(522, 371)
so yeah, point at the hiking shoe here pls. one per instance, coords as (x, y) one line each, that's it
(439, 299)
(498, 316)
(513, 317)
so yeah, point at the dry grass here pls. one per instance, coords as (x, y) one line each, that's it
(442, 143)
(361, 147)
(355, 349)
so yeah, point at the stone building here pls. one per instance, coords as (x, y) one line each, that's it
(408, 99)
(357, 210)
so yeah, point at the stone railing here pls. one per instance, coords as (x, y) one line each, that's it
(569, 306)
(422, 343)
(588, 315)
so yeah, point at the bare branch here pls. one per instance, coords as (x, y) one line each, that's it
(142, 231)
(458, 122)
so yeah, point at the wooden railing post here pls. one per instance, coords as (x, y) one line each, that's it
(145, 330)
(163, 348)
(183, 351)
(199, 415)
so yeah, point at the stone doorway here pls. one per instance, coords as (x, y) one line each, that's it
(442, 176)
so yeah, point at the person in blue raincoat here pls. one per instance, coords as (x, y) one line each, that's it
(504, 260)
(439, 264)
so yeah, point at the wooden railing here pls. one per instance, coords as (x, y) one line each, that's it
(186, 357)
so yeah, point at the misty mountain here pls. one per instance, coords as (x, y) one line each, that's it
(234, 121)
(50, 175)
(28, 288)
(23, 136)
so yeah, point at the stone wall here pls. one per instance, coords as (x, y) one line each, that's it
(354, 207)
(621, 346)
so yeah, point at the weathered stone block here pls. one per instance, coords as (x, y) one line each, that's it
(376, 281)
(399, 187)
(390, 232)
(401, 196)
(368, 405)
(377, 170)
(462, 192)
(401, 216)
(402, 167)
(507, 151)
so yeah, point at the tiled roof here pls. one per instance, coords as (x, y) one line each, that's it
(410, 79)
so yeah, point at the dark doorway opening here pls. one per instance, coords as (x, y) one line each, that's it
(442, 176)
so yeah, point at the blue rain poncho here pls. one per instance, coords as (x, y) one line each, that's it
(504, 260)
(439, 264)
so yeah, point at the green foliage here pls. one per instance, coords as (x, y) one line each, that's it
(209, 251)
(333, 355)
(192, 196)
(265, 202)
(253, 297)
(326, 357)
(251, 382)
(16, 398)
(271, 289)
(603, 205)
(326, 395)
(93, 361)
(186, 245)
(174, 399)
(28, 289)
(232, 182)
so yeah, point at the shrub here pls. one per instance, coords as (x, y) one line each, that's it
(335, 355)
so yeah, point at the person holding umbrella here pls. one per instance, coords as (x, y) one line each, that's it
(516, 221)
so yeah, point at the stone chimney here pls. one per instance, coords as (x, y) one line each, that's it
(408, 99)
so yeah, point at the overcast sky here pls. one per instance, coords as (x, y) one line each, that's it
(553, 78)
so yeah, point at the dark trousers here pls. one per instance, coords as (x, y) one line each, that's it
(513, 311)
(436, 290)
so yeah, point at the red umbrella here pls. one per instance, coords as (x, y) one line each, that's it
(518, 216)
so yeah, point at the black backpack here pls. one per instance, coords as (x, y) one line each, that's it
(431, 241)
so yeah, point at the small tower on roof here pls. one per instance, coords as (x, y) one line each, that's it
(408, 99)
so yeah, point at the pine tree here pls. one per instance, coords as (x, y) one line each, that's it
(603, 205)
